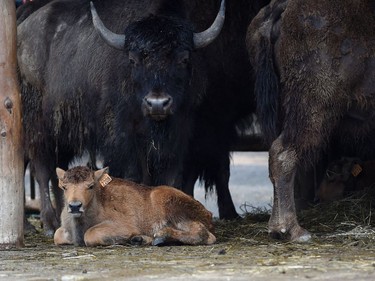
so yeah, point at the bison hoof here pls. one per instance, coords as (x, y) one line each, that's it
(49, 233)
(29, 228)
(230, 215)
(306, 237)
(297, 234)
(158, 241)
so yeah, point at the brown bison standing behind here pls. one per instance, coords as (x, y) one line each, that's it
(315, 81)
(100, 210)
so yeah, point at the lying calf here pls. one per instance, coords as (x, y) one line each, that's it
(345, 177)
(100, 210)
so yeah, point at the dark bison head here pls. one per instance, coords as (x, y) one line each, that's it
(159, 52)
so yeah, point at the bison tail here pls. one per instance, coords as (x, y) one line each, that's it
(266, 90)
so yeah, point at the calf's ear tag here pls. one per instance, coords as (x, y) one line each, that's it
(356, 170)
(104, 180)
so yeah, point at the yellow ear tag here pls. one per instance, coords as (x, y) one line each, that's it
(104, 180)
(356, 170)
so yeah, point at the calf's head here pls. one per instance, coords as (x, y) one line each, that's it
(159, 50)
(79, 185)
(338, 178)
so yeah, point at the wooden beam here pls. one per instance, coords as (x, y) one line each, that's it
(11, 151)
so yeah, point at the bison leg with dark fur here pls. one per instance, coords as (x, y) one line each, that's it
(314, 85)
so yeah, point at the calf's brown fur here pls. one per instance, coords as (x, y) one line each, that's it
(99, 212)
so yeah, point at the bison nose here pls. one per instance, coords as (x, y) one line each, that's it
(159, 106)
(75, 206)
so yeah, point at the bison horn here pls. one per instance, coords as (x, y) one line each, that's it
(204, 38)
(115, 40)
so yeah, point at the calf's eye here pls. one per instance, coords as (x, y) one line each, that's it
(91, 186)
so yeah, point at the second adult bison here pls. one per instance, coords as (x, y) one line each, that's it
(315, 80)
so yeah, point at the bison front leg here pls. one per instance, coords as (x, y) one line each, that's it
(109, 233)
(283, 222)
(47, 213)
(190, 233)
(227, 210)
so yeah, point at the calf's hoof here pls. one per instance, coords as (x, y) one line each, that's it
(159, 241)
(162, 241)
(136, 241)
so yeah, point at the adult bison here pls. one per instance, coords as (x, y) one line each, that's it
(29, 7)
(159, 107)
(315, 79)
(193, 141)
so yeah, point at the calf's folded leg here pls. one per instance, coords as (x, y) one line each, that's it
(62, 237)
(190, 233)
(109, 233)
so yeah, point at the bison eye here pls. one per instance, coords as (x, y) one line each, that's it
(183, 58)
(131, 61)
(134, 58)
(91, 186)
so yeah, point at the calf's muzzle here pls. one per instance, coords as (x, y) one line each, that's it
(74, 207)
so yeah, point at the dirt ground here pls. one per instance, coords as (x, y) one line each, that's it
(343, 247)
(243, 252)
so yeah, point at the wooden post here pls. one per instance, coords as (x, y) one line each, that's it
(11, 151)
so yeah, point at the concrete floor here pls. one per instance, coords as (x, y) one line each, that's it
(249, 183)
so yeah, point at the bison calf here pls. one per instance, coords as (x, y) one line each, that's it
(100, 210)
(346, 176)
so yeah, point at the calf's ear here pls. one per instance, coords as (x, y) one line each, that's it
(99, 173)
(60, 173)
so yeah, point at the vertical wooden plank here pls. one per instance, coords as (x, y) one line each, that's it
(11, 154)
